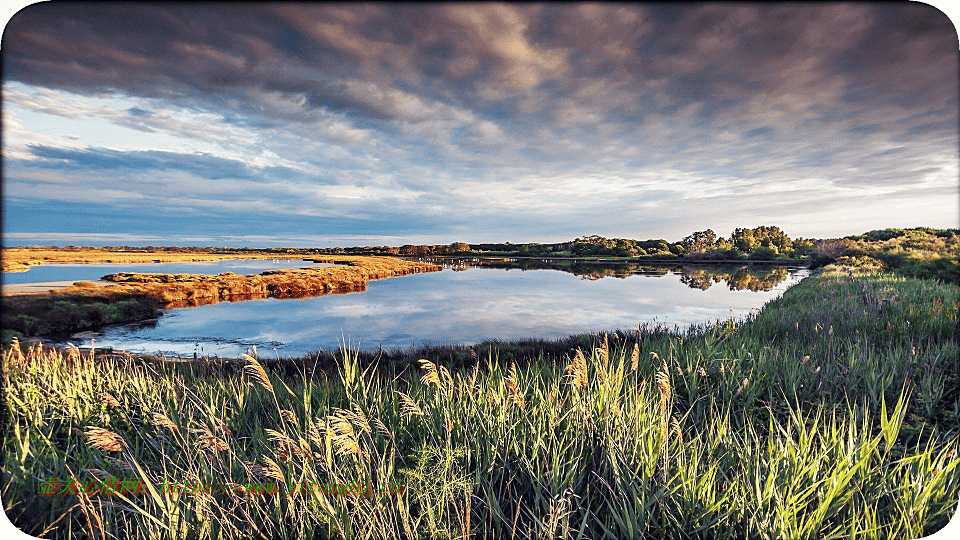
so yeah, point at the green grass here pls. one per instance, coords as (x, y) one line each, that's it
(831, 413)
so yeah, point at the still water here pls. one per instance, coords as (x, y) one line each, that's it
(92, 272)
(466, 305)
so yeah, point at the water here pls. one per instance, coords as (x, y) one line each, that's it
(456, 307)
(92, 272)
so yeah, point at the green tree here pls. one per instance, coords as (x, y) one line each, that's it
(699, 241)
(744, 240)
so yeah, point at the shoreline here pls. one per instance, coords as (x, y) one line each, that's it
(46, 287)
(17, 259)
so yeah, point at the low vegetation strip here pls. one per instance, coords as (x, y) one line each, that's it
(21, 259)
(833, 412)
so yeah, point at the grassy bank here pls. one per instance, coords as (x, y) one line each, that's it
(81, 307)
(831, 413)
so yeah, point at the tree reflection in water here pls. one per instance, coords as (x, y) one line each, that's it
(737, 278)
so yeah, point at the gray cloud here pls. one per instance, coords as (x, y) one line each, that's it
(446, 115)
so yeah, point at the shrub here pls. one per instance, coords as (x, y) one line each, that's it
(65, 314)
(763, 253)
(7, 335)
(826, 252)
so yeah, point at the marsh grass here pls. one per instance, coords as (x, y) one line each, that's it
(831, 413)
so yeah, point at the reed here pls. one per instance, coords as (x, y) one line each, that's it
(757, 428)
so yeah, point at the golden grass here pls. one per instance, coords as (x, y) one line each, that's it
(21, 259)
(104, 439)
(256, 373)
(181, 290)
(578, 371)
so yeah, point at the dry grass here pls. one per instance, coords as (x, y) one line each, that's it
(21, 259)
(181, 290)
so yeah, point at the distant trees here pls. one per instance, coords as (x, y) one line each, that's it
(699, 241)
(763, 243)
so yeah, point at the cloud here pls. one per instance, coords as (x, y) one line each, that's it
(511, 119)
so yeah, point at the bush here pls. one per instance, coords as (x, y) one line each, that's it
(763, 253)
(65, 314)
(21, 323)
(826, 252)
(96, 313)
(7, 335)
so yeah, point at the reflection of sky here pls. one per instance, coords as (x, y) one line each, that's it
(442, 307)
(90, 272)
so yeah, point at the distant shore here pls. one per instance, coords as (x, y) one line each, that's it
(21, 259)
(613, 260)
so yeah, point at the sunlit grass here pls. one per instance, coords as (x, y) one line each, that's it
(831, 413)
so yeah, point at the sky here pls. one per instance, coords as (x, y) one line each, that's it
(387, 124)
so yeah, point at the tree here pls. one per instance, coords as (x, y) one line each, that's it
(699, 241)
(744, 240)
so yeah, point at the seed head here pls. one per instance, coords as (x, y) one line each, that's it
(256, 373)
(105, 440)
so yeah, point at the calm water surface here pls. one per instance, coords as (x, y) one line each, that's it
(448, 307)
(91, 272)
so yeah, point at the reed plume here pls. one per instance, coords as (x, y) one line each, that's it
(635, 357)
(105, 440)
(409, 407)
(120, 464)
(15, 347)
(270, 470)
(578, 370)
(512, 385)
(285, 446)
(109, 400)
(431, 377)
(382, 428)
(663, 382)
(342, 434)
(360, 419)
(254, 370)
(288, 415)
(209, 441)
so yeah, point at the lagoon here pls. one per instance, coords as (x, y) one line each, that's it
(464, 304)
(91, 272)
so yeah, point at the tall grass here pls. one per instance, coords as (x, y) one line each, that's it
(770, 427)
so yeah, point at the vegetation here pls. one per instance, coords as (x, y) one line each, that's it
(21, 259)
(351, 274)
(834, 412)
(72, 310)
(136, 297)
(764, 243)
(921, 252)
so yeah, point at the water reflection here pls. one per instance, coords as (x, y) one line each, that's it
(94, 271)
(746, 277)
(472, 304)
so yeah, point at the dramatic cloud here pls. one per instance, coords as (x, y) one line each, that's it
(408, 123)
